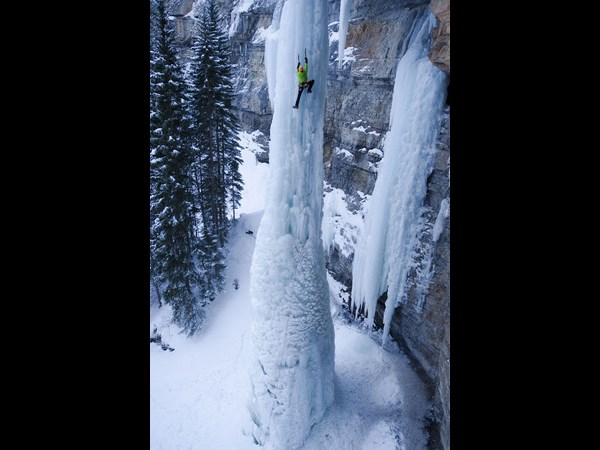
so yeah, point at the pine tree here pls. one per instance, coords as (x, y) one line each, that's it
(219, 182)
(235, 183)
(212, 268)
(173, 226)
(154, 55)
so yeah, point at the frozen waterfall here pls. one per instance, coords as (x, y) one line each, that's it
(386, 245)
(292, 331)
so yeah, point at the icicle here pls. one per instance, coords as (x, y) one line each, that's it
(343, 29)
(388, 239)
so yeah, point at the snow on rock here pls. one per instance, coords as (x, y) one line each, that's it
(333, 35)
(348, 55)
(344, 154)
(375, 154)
(340, 226)
(249, 142)
(241, 7)
(260, 35)
(363, 129)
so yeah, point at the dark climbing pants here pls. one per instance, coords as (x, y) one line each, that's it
(309, 85)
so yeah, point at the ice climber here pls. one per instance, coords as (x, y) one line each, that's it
(302, 74)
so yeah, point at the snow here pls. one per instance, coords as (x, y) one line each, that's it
(333, 35)
(378, 398)
(364, 129)
(376, 152)
(260, 35)
(253, 173)
(386, 245)
(345, 154)
(348, 55)
(340, 226)
(198, 392)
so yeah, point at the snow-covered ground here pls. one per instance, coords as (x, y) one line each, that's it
(199, 391)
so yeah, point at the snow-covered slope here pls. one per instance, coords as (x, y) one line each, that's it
(198, 392)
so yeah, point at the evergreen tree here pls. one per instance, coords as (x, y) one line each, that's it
(212, 268)
(173, 231)
(219, 182)
(235, 182)
(154, 33)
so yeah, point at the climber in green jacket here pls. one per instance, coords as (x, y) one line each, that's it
(302, 74)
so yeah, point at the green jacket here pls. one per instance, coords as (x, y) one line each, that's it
(302, 76)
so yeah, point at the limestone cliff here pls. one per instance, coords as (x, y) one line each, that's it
(440, 48)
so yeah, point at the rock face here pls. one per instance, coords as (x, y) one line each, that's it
(181, 7)
(359, 97)
(248, 54)
(440, 48)
(359, 94)
(183, 23)
(357, 114)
